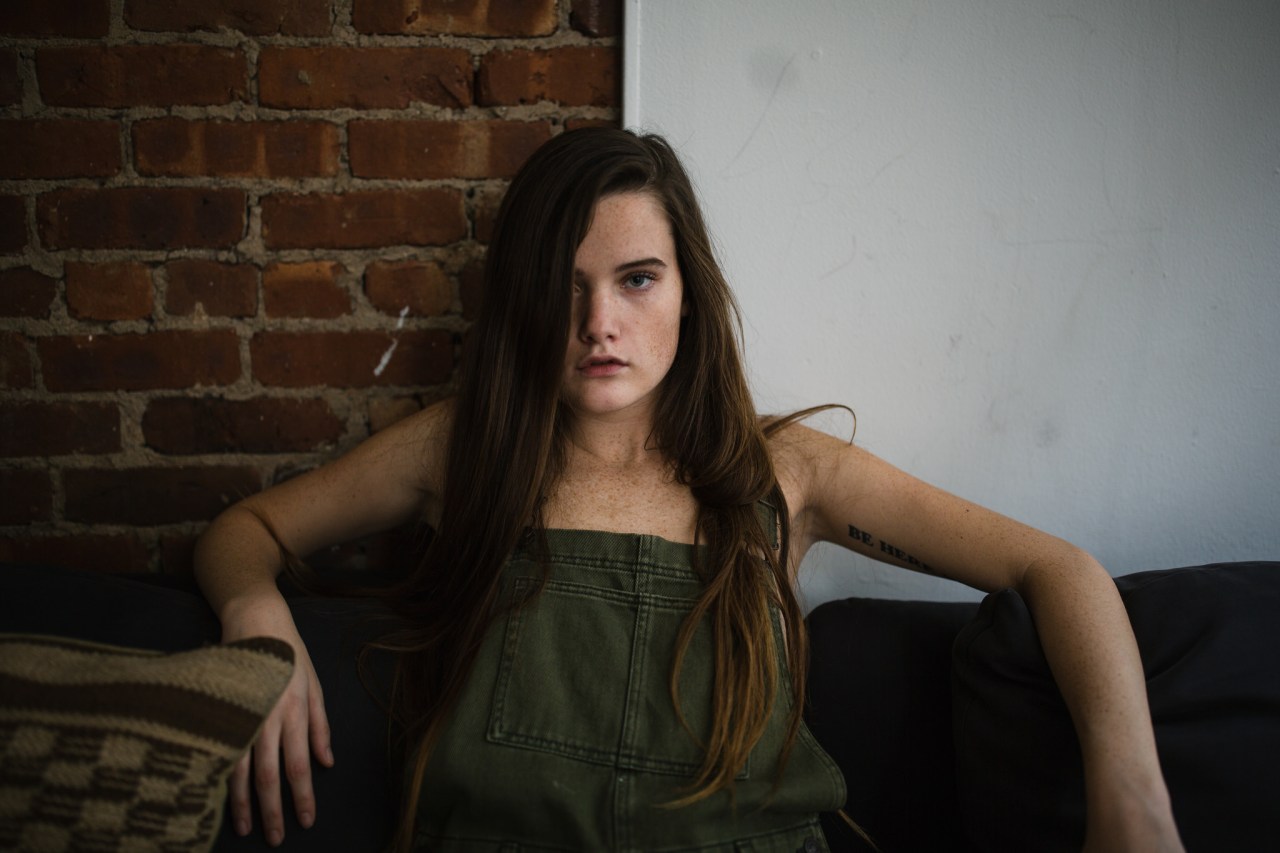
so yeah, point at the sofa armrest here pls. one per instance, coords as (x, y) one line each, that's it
(880, 704)
(1207, 636)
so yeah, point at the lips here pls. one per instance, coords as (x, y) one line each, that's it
(600, 365)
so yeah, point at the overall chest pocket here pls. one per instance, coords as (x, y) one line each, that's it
(584, 674)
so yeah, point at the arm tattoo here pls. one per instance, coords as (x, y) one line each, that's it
(898, 554)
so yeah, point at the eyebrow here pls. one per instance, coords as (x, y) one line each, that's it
(639, 263)
(642, 262)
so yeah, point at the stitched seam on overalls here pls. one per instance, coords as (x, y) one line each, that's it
(622, 806)
(497, 730)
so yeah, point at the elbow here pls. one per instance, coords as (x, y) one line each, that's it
(237, 533)
(1064, 564)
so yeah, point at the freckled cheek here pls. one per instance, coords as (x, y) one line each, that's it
(665, 344)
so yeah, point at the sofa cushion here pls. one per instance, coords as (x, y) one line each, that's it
(880, 704)
(1207, 636)
(357, 798)
(109, 748)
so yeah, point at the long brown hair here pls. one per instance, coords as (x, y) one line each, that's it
(507, 446)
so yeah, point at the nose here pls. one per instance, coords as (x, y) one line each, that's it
(597, 315)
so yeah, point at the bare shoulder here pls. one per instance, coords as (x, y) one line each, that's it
(417, 444)
(391, 477)
(804, 460)
(402, 464)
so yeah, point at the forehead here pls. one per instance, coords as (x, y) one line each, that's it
(631, 221)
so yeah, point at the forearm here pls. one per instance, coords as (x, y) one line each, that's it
(236, 564)
(1091, 650)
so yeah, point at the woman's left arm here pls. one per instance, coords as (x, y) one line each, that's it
(840, 493)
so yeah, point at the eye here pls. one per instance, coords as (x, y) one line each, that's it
(638, 280)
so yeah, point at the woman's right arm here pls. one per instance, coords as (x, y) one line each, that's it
(391, 478)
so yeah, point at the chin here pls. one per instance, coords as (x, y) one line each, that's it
(603, 404)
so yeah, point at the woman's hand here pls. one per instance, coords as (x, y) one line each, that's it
(297, 728)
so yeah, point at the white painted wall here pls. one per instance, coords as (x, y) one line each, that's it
(1035, 244)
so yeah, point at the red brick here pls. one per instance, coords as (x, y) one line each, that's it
(13, 223)
(573, 76)
(597, 18)
(66, 18)
(492, 18)
(471, 288)
(10, 83)
(420, 286)
(169, 359)
(442, 149)
(217, 289)
(141, 218)
(363, 77)
(26, 293)
(486, 204)
(15, 362)
(31, 428)
(185, 425)
(363, 219)
(251, 149)
(350, 359)
(308, 289)
(119, 290)
(90, 552)
(253, 17)
(26, 496)
(152, 496)
(141, 75)
(59, 149)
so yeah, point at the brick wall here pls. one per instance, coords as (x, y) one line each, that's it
(238, 236)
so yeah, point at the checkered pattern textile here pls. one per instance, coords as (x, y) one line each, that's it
(111, 749)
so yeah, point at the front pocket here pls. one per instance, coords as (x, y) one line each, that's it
(563, 679)
(658, 740)
(584, 674)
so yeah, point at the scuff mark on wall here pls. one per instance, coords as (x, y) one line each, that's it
(386, 356)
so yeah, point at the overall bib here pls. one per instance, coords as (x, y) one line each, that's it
(565, 737)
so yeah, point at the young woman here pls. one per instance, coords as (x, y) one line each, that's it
(607, 650)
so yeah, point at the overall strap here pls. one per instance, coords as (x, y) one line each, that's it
(767, 510)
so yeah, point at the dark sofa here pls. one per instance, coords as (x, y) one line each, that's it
(943, 716)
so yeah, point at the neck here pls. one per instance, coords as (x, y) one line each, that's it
(624, 442)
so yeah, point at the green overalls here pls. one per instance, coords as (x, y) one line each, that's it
(565, 737)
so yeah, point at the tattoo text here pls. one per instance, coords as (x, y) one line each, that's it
(897, 553)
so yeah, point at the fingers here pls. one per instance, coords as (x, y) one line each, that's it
(238, 796)
(296, 727)
(266, 778)
(321, 745)
(297, 766)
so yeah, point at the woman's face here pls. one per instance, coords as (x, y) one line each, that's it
(628, 299)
